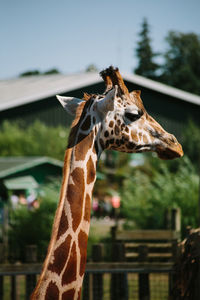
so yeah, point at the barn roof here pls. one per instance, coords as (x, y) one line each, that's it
(24, 90)
(12, 165)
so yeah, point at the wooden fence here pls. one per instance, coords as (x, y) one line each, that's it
(103, 280)
(119, 286)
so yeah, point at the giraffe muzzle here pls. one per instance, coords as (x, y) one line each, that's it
(169, 151)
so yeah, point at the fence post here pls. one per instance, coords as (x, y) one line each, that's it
(176, 219)
(97, 256)
(13, 292)
(31, 257)
(1, 261)
(144, 291)
(1, 287)
(87, 294)
(119, 281)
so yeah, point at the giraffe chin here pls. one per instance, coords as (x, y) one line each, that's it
(170, 153)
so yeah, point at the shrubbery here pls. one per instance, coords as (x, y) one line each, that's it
(158, 186)
(33, 227)
(36, 139)
(146, 191)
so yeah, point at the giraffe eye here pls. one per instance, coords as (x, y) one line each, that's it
(133, 117)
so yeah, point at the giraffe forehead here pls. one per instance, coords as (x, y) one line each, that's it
(128, 103)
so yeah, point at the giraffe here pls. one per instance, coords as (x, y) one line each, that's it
(115, 120)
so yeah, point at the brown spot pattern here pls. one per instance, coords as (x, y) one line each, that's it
(69, 274)
(118, 122)
(60, 256)
(82, 242)
(87, 208)
(75, 193)
(102, 143)
(90, 171)
(86, 124)
(125, 137)
(127, 129)
(52, 292)
(69, 295)
(131, 145)
(107, 144)
(117, 130)
(111, 124)
(82, 147)
(106, 133)
(63, 226)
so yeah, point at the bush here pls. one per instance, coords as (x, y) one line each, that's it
(191, 143)
(149, 193)
(33, 227)
(36, 139)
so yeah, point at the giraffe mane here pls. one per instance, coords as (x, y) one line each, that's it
(87, 98)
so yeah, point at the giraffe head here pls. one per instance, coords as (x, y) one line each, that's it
(121, 121)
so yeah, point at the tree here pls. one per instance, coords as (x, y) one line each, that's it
(51, 71)
(146, 65)
(182, 60)
(37, 72)
(91, 68)
(30, 73)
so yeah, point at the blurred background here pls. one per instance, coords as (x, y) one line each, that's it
(50, 48)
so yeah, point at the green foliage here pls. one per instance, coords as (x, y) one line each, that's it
(182, 60)
(146, 66)
(37, 139)
(37, 72)
(148, 193)
(91, 68)
(51, 71)
(33, 227)
(191, 143)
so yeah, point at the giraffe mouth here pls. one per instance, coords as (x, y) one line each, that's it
(169, 152)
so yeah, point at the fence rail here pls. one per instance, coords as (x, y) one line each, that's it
(103, 281)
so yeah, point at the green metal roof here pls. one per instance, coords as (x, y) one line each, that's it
(12, 165)
(21, 183)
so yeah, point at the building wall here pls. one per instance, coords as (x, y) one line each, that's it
(47, 110)
(173, 114)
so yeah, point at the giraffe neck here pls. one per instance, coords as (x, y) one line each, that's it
(64, 266)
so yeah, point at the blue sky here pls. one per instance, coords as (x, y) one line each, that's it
(70, 35)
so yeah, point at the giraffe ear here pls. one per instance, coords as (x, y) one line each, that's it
(70, 104)
(107, 104)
